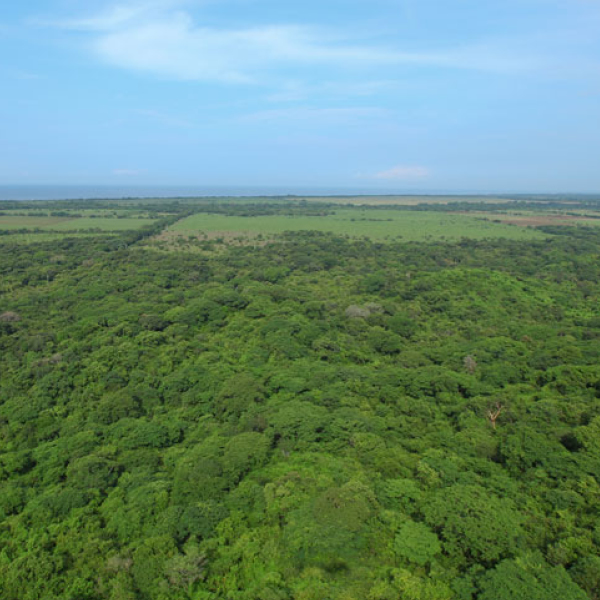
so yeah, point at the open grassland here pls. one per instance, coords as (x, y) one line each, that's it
(38, 237)
(103, 224)
(376, 224)
(45, 223)
(16, 222)
(541, 218)
(355, 200)
(54, 211)
(404, 200)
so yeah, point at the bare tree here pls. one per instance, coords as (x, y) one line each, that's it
(470, 364)
(10, 317)
(493, 413)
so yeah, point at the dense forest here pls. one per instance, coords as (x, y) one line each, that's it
(314, 417)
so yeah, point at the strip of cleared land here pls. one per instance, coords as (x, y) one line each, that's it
(533, 219)
(16, 223)
(37, 237)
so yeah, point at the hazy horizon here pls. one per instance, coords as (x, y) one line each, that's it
(39, 192)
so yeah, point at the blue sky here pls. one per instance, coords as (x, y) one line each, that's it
(468, 95)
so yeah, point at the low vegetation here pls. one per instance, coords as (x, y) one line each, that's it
(376, 225)
(315, 415)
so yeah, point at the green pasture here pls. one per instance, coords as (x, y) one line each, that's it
(38, 237)
(404, 200)
(104, 224)
(537, 218)
(342, 200)
(45, 211)
(375, 224)
(17, 222)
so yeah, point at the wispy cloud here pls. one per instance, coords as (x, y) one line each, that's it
(403, 173)
(109, 20)
(161, 38)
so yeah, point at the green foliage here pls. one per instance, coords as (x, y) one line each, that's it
(528, 578)
(238, 394)
(301, 416)
(331, 529)
(475, 522)
(416, 543)
(92, 472)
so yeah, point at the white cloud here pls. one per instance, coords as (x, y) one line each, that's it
(160, 38)
(107, 21)
(403, 173)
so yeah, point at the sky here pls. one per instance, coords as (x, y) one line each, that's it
(396, 95)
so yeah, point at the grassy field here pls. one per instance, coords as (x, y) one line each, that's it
(404, 200)
(12, 223)
(76, 212)
(541, 218)
(378, 225)
(103, 224)
(15, 222)
(33, 238)
(353, 200)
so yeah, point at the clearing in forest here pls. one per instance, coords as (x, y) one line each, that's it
(540, 219)
(377, 224)
(49, 224)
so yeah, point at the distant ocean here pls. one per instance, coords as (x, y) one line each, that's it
(87, 192)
